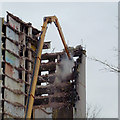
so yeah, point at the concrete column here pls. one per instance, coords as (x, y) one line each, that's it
(29, 54)
(0, 68)
(80, 111)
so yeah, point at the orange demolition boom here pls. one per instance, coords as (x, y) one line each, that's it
(31, 94)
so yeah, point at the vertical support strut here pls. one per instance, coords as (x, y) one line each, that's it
(30, 99)
(62, 38)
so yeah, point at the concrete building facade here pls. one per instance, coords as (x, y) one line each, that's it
(18, 44)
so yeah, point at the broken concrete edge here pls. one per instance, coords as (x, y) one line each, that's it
(24, 23)
(32, 40)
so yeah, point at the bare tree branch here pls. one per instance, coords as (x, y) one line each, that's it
(111, 67)
(93, 111)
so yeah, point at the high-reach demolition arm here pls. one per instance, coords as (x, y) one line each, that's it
(30, 99)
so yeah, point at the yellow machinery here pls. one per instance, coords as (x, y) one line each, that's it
(30, 99)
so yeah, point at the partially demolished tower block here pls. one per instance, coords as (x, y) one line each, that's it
(17, 53)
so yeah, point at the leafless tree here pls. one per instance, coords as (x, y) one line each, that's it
(93, 111)
(110, 67)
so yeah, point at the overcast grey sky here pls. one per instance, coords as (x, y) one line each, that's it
(93, 25)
